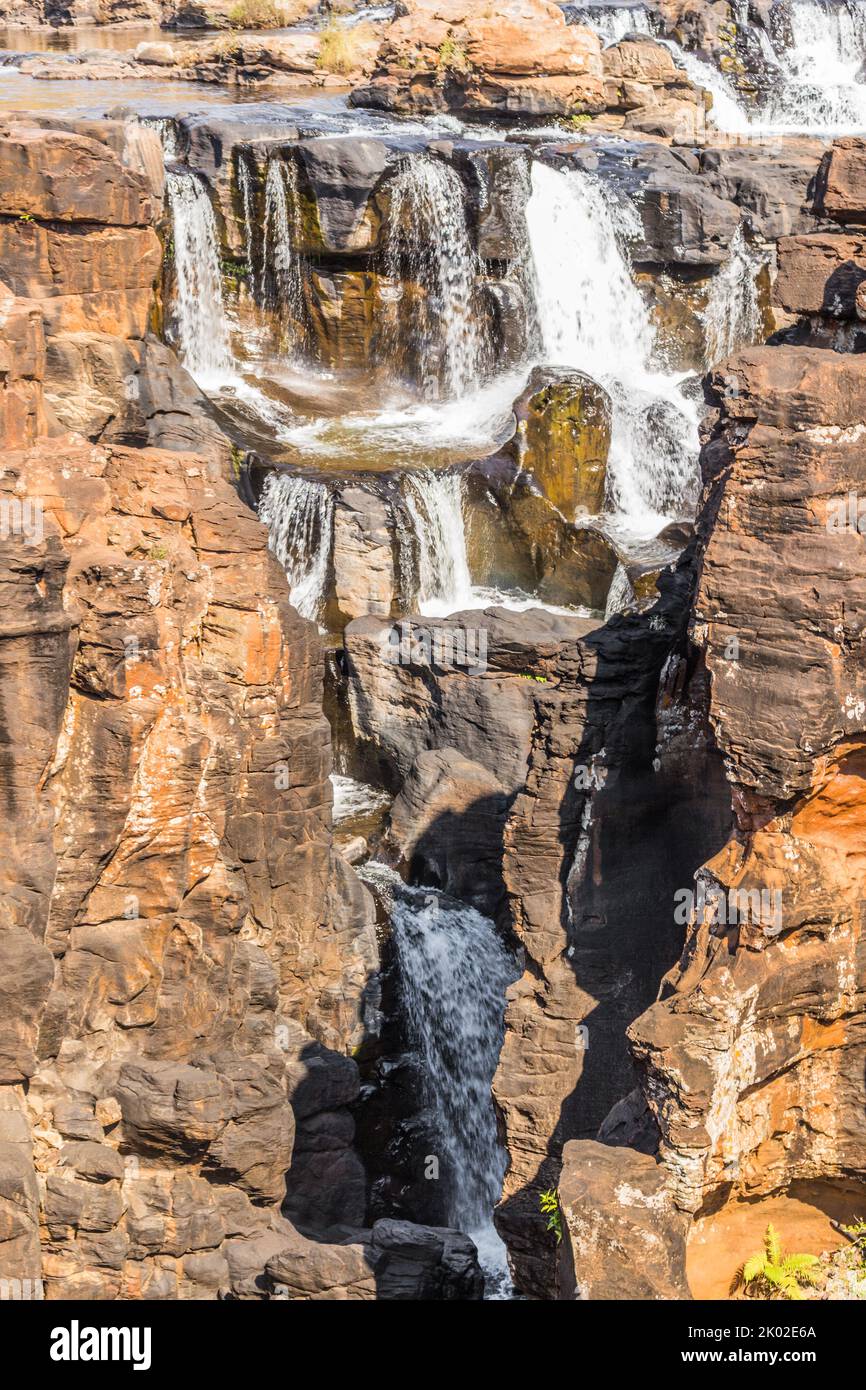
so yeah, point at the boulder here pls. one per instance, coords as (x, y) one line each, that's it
(622, 1238)
(563, 437)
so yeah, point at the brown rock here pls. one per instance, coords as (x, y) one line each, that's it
(840, 190)
(820, 274)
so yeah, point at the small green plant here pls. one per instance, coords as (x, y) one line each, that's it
(340, 47)
(530, 676)
(157, 551)
(25, 217)
(772, 1273)
(549, 1203)
(452, 56)
(238, 458)
(579, 121)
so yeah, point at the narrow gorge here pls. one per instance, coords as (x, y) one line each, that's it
(432, 678)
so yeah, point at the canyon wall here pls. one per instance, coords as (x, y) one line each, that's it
(188, 963)
(751, 1061)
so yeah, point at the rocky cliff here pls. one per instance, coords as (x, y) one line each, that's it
(188, 963)
(751, 1060)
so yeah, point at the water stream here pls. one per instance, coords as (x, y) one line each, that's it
(454, 970)
(201, 329)
(592, 316)
(299, 515)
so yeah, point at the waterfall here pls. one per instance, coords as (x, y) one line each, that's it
(726, 113)
(299, 515)
(454, 971)
(611, 22)
(620, 594)
(245, 185)
(591, 316)
(820, 90)
(434, 502)
(427, 243)
(281, 267)
(201, 328)
(732, 317)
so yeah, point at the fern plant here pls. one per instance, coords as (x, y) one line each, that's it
(549, 1203)
(772, 1273)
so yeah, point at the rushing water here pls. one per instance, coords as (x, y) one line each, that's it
(200, 323)
(299, 515)
(820, 90)
(611, 22)
(732, 317)
(592, 316)
(454, 971)
(434, 502)
(281, 268)
(427, 243)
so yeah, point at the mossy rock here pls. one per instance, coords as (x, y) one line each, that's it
(563, 438)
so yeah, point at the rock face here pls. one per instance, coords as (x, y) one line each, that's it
(183, 734)
(520, 57)
(78, 240)
(524, 59)
(752, 1059)
(188, 963)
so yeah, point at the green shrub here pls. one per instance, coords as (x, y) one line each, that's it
(549, 1203)
(771, 1273)
(452, 56)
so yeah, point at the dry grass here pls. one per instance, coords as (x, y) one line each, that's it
(268, 14)
(341, 47)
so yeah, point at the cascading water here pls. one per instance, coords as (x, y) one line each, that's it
(727, 113)
(427, 243)
(299, 515)
(281, 269)
(434, 502)
(732, 317)
(201, 329)
(454, 971)
(592, 317)
(611, 22)
(820, 91)
(245, 185)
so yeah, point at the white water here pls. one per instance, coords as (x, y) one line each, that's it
(613, 22)
(353, 799)
(454, 971)
(427, 242)
(591, 316)
(280, 263)
(245, 184)
(726, 113)
(200, 322)
(434, 502)
(199, 312)
(820, 92)
(732, 317)
(299, 515)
